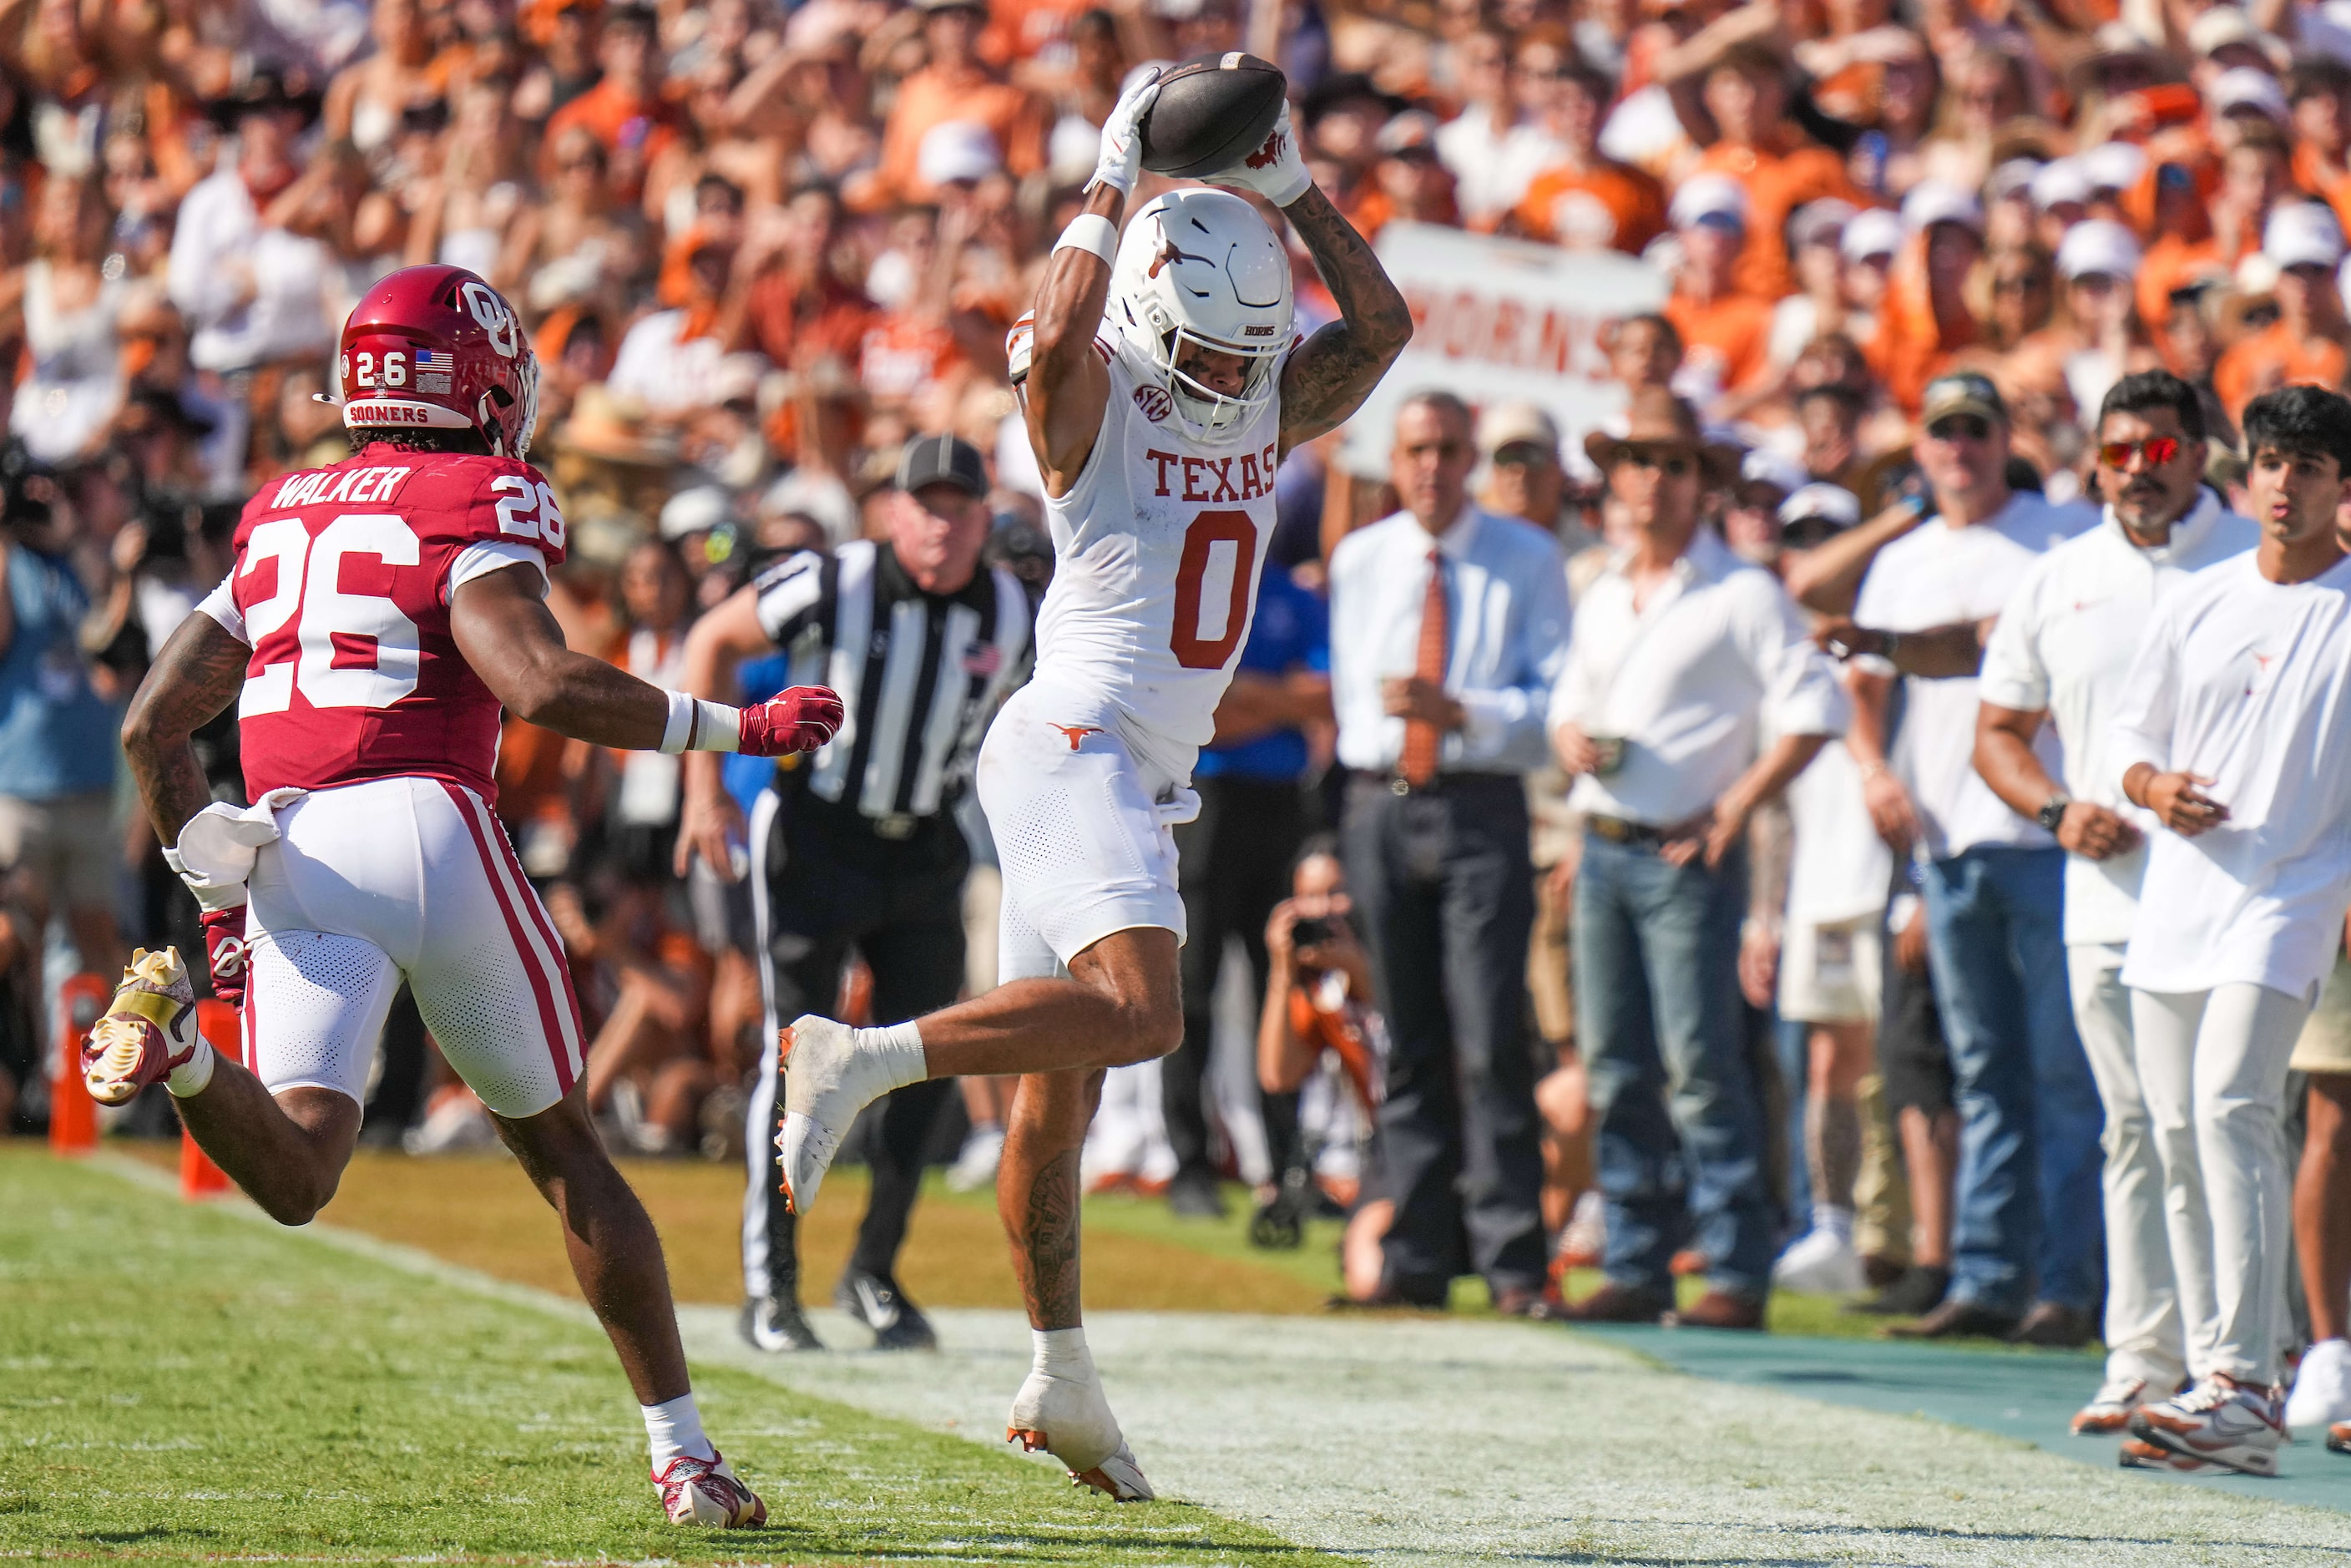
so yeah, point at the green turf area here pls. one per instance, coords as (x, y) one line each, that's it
(182, 1384)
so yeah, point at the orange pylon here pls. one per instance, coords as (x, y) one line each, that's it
(199, 1178)
(73, 1114)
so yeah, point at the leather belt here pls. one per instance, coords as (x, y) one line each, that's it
(1398, 785)
(1618, 831)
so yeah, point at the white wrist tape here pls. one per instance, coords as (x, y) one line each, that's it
(680, 728)
(716, 727)
(1091, 233)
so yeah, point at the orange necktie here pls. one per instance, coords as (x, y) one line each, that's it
(1418, 763)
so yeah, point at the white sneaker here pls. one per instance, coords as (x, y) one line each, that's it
(1070, 1419)
(1584, 1239)
(2322, 1387)
(975, 1166)
(828, 1078)
(1822, 1262)
(2217, 1422)
(2110, 1409)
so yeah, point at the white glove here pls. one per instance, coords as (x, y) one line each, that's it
(1274, 171)
(1122, 135)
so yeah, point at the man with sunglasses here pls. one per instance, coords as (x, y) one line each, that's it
(2025, 1230)
(2233, 732)
(1690, 697)
(2058, 658)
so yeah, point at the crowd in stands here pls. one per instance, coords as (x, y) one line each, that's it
(1597, 902)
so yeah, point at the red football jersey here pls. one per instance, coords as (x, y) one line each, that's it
(342, 580)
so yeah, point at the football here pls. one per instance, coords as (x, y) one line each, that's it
(1211, 113)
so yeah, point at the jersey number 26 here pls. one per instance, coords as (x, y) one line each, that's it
(332, 623)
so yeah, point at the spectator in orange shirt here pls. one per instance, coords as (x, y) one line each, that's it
(2306, 344)
(957, 85)
(800, 308)
(1586, 200)
(625, 110)
(1734, 102)
(2318, 96)
(1407, 184)
(1926, 319)
(1724, 329)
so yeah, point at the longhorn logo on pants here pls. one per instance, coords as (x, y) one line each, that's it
(1075, 733)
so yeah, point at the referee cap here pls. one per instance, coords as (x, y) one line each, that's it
(942, 460)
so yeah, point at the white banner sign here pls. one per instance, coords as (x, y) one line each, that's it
(1500, 321)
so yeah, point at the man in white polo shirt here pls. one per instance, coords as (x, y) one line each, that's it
(2234, 731)
(2059, 655)
(2025, 1240)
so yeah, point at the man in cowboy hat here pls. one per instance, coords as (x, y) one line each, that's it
(1683, 659)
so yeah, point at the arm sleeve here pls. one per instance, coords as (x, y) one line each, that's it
(2013, 674)
(485, 556)
(2145, 712)
(1504, 726)
(221, 605)
(1802, 695)
(791, 595)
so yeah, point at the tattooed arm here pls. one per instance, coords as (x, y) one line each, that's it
(198, 673)
(1331, 373)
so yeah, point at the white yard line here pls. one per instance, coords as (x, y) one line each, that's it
(1426, 1442)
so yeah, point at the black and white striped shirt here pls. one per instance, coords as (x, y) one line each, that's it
(920, 674)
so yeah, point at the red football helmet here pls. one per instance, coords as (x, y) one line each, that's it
(438, 348)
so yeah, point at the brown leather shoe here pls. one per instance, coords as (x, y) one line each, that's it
(1619, 1304)
(1956, 1320)
(1720, 1310)
(2054, 1327)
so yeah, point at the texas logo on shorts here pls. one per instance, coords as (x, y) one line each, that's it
(1075, 733)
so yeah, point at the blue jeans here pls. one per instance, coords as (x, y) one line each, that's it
(2026, 1221)
(1679, 1118)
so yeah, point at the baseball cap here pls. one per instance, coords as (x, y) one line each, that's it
(942, 460)
(2249, 86)
(1704, 197)
(1818, 222)
(1513, 423)
(1762, 466)
(2061, 180)
(1873, 233)
(694, 511)
(2224, 25)
(2013, 178)
(2097, 246)
(2303, 234)
(2114, 165)
(1830, 503)
(1962, 391)
(956, 149)
(1932, 201)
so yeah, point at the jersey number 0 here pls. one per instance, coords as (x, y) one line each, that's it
(1194, 646)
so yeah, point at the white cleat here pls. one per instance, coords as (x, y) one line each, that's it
(708, 1492)
(1069, 1418)
(828, 1078)
(2322, 1387)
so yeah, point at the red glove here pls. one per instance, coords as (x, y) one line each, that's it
(797, 718)
(225, 951)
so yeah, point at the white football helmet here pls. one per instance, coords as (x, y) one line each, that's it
(1199, 265)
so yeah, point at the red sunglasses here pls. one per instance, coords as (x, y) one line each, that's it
(2159, 450)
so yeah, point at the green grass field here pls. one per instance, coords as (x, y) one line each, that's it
(182, 1384)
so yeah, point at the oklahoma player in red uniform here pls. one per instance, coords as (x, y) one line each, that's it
(378, 616)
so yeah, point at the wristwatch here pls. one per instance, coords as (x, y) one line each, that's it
(2053, 811)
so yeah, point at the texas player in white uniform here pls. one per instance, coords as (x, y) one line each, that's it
(1163, 387)
(380, 613)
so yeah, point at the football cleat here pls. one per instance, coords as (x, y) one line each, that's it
(2219, 1422)
(2338, 1437)
(777, 1323)
(149, 1029)
(828, 1079)
(875, 1301)
(2139, 1454)
(2109, 1409)
(707, 1491)
(1069, 1418)
(2322, 1385)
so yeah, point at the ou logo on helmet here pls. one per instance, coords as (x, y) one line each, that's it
(491, 311)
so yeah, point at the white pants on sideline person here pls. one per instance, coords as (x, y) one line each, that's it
(2212, 1065)
(2143, 1334)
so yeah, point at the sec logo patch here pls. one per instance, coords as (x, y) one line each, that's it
(1155, 402)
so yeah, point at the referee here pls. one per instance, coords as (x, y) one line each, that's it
(858, 849)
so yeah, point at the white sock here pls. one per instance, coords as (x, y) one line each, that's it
(1062, 1352)
(674, 1427)
(189, 1079)
(1838, 1222)
(900, 1047)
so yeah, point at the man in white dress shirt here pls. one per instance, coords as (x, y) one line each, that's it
(2234, 732)
(1690, 697)
(2059, 655)
(1447, 626)
(2024, 1241)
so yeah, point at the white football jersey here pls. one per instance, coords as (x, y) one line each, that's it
(1158, 547)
